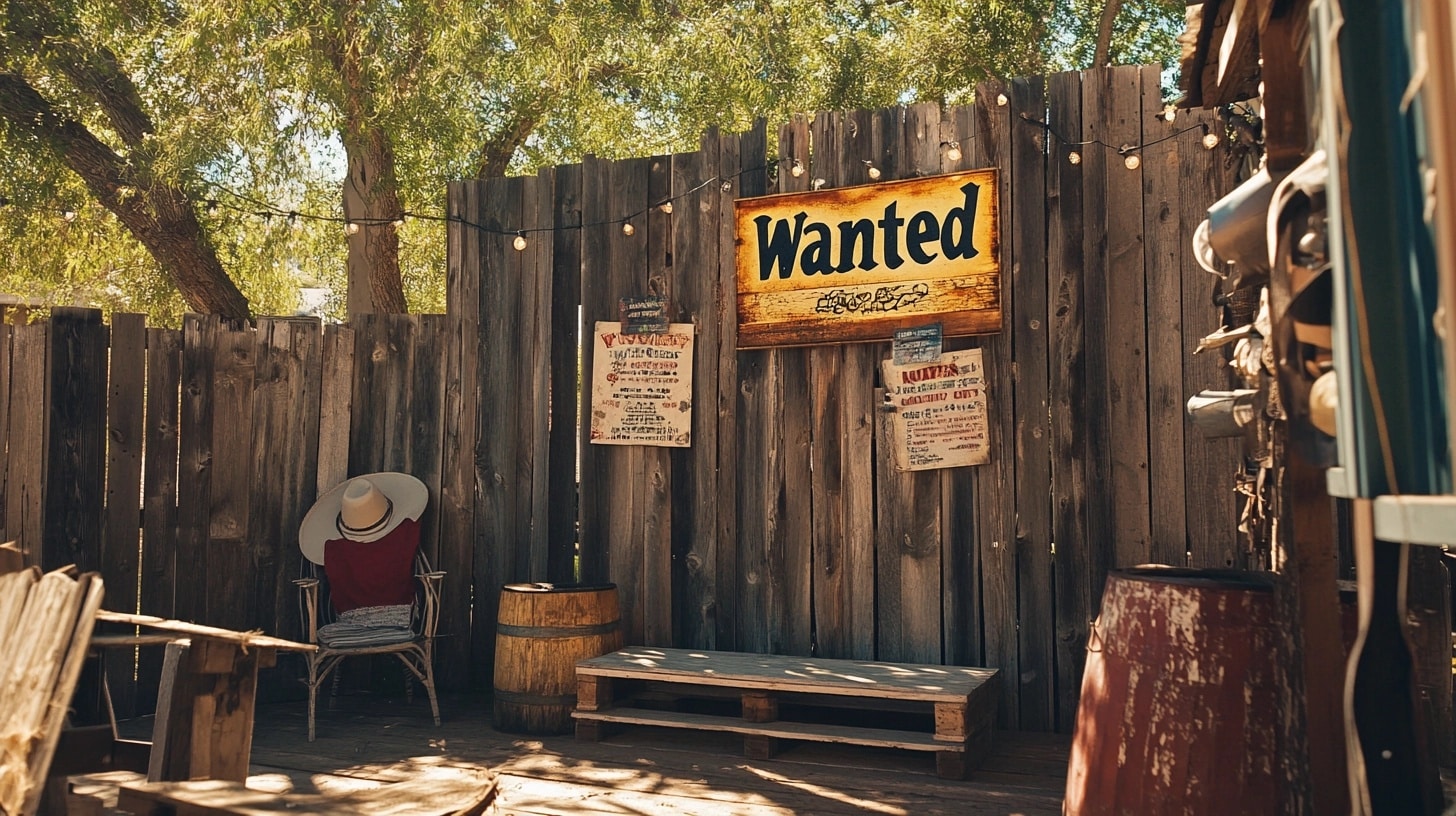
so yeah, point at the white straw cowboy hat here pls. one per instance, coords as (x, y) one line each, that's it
(365, 508)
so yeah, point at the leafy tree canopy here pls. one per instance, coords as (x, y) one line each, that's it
(213, 111)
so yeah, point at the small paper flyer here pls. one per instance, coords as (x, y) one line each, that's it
(938, 417)
(642, 386)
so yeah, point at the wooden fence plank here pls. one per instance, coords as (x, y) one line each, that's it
(831, 568)
(658, 516)
(1210, 464)
(336, 406)
(455, 666)
(1165, 341)
(961, 562)
(598, 302)
(626, 464)
(229, 552)
(195, 463)
(996, 522)
(159, 500)
(535, 418)
(286, 416)
(1119, 123)
(25, 480)
(694, 251)
(424, 451)
(120, 547)
(1101, 541)
(1067, 390)
(496, 561)
(6, 381)
(566, 338)
(909, 546)
(1036, 614)
(76, 440)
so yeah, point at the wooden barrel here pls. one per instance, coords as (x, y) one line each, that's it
(1179, 698)
(542, 630)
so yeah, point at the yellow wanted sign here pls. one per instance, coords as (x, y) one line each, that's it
(856, 263)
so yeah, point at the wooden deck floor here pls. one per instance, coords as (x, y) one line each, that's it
(645, 771)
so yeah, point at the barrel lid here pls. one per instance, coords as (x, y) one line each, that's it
(543, 586)
(1232, 579)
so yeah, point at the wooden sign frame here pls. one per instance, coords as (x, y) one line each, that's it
(856, 263)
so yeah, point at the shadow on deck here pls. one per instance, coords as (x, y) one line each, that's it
(365, 741)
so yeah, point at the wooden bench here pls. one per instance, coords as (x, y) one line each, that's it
(961, 701)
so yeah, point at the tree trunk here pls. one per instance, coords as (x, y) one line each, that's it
(158, 214)
(1103, 54)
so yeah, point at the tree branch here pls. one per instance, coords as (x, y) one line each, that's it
(1102, 55)
(157, 214)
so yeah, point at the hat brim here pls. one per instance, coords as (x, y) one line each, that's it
(320, 523)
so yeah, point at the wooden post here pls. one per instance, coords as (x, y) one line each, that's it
(204, 727)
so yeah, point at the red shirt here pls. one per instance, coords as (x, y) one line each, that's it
(373, 573)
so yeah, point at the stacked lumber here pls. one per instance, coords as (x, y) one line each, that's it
(45, 629)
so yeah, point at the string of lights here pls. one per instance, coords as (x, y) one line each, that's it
(950, 148)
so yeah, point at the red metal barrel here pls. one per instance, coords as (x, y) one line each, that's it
(1178, 709)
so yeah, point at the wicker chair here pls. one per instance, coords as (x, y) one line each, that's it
(416, 654)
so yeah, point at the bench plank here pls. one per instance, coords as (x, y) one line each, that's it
(781, 729)
(853, 678)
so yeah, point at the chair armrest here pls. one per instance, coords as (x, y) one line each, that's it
(430, 590)
(308, 589)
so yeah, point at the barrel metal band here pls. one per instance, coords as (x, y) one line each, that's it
(519, 698)
(583, 630)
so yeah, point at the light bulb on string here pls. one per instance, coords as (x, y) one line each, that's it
(874, 172)
(628, 229)
(797, 170)
(351, 228)
(726, 186)
(1074, 157)
(520, 242)
(666, 208)
(954, 152)
(1001, 100)
(1170, 113)
(1132, 162)
(1210, 141)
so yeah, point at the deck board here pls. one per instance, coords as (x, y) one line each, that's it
(640, 770)
(905, 681)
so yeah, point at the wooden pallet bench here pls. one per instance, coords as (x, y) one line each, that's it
(962, 701)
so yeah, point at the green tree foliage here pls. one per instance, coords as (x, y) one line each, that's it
(268, 105)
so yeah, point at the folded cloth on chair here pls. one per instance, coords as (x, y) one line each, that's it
(368, 626)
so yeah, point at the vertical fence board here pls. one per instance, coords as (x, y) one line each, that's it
(657, 483)
(120, 548)
(996, 522)
(566, 337)
(1067, 389)
(597, 303)
(736, 180)
(287, 391)
(1101, 541)
(908, 543)
(1035, 609)
(455, 666)
(159, 499)
(961, 564)
(76, 440)
(25, 479)
(336, 406)
(831, 568)
(1210, 464)
(229, 551)
(6, 382)
(426, 421)
(694, 253)
(496, 561)
(195, 466)
(533, 380)
(1119, 122)
(1168, 519)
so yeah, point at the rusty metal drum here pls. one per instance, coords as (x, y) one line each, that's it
(1178, 713)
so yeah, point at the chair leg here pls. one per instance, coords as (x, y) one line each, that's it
(313, 684)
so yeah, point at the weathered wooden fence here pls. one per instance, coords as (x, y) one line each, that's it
(783, 528)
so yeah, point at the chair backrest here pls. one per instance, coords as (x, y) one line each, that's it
(420, 613)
